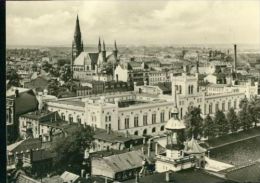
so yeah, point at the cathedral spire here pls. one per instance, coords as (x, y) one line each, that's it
(99, 45)
(104, 46)
(115, 46)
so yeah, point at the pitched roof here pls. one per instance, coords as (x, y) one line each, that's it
(86, 56)
(25, 145)
(124, 161)
(192, 147)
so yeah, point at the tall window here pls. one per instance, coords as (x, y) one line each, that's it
(181, 113)
(136, 121)
(153, 118)
(63, 116)
(223, 106)
(145, 120)
(205, 108)
(229, 105)
(191, 89)
(216, 107)
(170, 113)
(70, 118)
(180, 89)
(108, 118)
(78, 119)
(210, 108)
(126, 123)
(162, 117)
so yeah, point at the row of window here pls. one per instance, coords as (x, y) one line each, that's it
(223, 108)
(136, 120)
(145, 131)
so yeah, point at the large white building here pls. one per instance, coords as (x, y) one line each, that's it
(144, 112)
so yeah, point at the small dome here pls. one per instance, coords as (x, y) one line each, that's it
(174, 124)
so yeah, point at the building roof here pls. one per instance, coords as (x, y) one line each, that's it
(174, 124)
(25, 102)
(86, 57)
(69, 177)
(42, 155)
(113, 136)
(124, 161)
(184, 176)
(192, 147)
(25, 145)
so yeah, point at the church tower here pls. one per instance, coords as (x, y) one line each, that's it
(99, 45)
(115, 51)
(77, 44)
(104, 52)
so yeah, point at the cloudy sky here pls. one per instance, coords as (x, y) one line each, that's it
(134, 22)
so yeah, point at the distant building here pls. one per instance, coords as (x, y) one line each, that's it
(132, 72)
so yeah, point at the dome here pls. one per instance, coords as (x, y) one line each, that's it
(174, 124)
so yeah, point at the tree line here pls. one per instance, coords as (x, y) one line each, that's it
(222, 124)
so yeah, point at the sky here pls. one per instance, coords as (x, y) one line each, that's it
(135, 22)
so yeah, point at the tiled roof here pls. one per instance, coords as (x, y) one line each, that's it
(25, 145)
(124, 161)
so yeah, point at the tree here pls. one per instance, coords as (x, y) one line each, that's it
(53, 87)
(72, 146)
(233, 120)
(193, 122)
(254, 109)
(209, 128)
(221, 123)
(66, 73)
(245, 118)
(46, 66)
(13, 77)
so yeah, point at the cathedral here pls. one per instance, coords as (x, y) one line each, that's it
(91, 65)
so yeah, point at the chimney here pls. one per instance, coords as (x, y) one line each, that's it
(235, 60)
(16, 93)
(167, 177)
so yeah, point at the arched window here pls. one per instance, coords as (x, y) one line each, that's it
(223, 106)
(63, 116)
(216, 107)
(191, 89)
(153, 130)
(78, 119)
(162, 128)
(210, 108)
(144, 132)
(136, 133)
(70, 118)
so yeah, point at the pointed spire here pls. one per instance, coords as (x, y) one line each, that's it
(115, 46)
(99, 45)
(77, 28)
(104, 46)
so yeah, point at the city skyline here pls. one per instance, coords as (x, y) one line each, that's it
(135, 23)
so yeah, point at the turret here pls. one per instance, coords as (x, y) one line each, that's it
(99, 45)
(104, 52)
(115, 51)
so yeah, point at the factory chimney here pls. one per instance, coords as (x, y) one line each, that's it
(235, 59)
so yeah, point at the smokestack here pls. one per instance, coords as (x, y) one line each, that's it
(235, 60)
